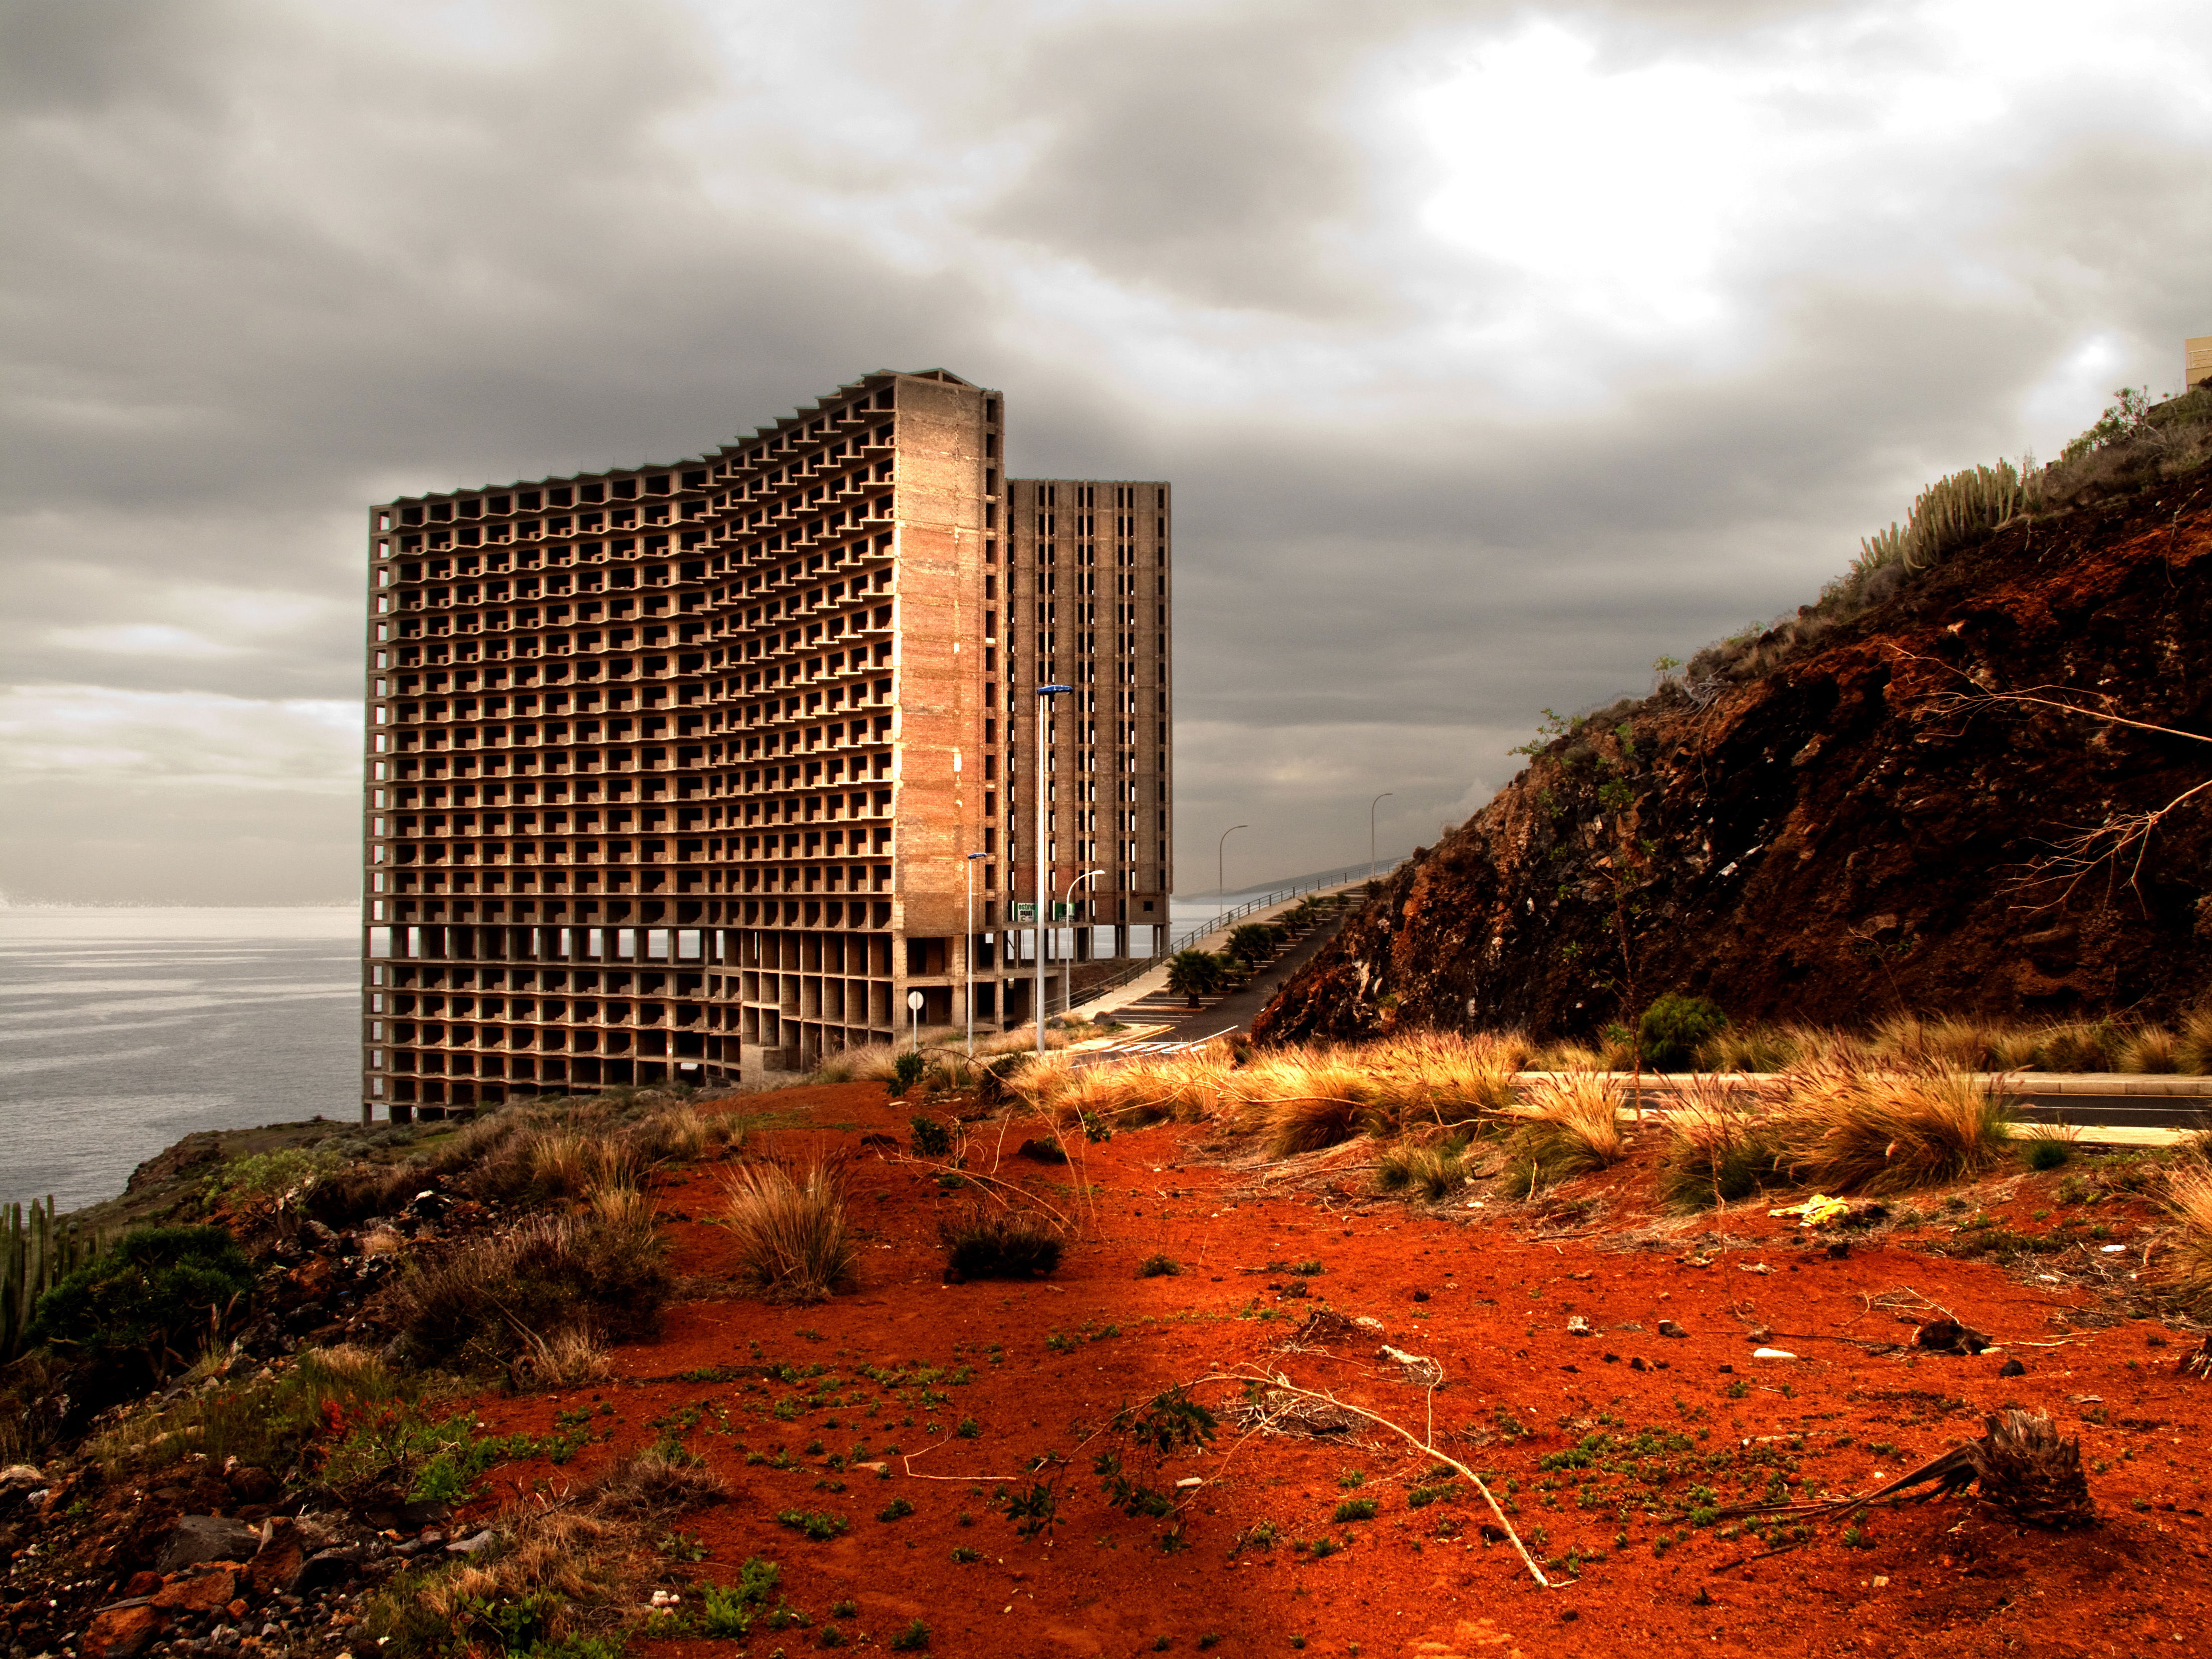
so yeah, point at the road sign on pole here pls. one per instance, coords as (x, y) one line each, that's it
(1024, 911)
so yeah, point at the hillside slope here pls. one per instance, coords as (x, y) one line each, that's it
(1816, 825)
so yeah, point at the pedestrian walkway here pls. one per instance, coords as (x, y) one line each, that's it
(1147, 1000)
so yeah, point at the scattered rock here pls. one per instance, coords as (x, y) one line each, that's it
(2011, 1368)
(327, 1567)
(1772, 1353)
(277, 1564)
(250, 1485)
(1423, 1296)
(1948, 1336)
(472, 1546)
(1578, 1326)
(207, 1537)
(1669, 1327)
(196, 1592)
(121, 1632)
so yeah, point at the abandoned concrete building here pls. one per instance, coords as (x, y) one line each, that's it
(699, 772)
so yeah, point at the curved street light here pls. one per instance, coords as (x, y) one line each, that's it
(1371, 805)
(1074, 882)
(1221, 862)
(967, 953)
(1045, 694)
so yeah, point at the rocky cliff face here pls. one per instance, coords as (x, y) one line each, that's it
(1838, 821)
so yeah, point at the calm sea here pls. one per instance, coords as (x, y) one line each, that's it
(123, 1030)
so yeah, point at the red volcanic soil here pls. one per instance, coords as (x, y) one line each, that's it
(958, 1386)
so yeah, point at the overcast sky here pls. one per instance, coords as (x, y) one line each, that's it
(1493, 350)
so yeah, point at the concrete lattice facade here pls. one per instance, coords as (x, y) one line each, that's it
(673, 773)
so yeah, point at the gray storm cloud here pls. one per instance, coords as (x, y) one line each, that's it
(1494, 349)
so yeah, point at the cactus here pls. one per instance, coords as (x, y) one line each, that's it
(35, 1256)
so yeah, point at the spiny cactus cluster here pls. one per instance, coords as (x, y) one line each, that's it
(35, 1256)
(1948, 512)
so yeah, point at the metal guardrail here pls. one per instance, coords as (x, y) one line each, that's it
(1145, 965)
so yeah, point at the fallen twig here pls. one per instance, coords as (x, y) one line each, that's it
(1275, 1380)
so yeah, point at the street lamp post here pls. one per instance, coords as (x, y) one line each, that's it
(1045, 694)
(1074, 882)
(1221, 862)
(967, 953)
(1371, 805)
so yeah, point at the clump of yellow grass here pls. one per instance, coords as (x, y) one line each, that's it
(2185, 1267)
(1184, 1088)
(1844, 1128)
(789, 1228)
(1717, 1150)
(1958, 1045)
(1563, 1125)
(2192, 1054)
(1304, 1099)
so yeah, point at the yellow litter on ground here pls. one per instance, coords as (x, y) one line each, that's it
(1817, 1211)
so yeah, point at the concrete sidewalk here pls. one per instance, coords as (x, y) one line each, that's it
(1154, 981)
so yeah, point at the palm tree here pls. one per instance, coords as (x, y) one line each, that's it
(1195, 975)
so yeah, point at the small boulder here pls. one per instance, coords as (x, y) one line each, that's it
(1948, 1336)
(251, 1485)
(326, 1567)
(120, 1632)
(200, 1538)
(1669, 1327)
(2011, 1368)
(196, 1592)
(277, 1563)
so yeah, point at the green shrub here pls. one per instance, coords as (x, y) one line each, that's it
(931, 1138)
(277, 1171)
(906, 1070)
(819, 1528)
(1354, 1509)
(732, 1610)
(913, 1640)
(1674, 1027)
(2046, 1152)
(1158, 1266)
(153, 1300)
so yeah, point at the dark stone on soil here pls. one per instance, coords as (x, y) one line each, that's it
(2011, 1368)
(207, 1537)
(1948, 1336)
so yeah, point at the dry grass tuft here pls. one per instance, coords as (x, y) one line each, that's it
(654, 1482)
(570, 1164)
(484, 1303)
(999, 1245)
(1422, 1172)
(1844, 1128)
(2192, 1054)
(1750, 1049)
(1957, 1045)
(792, 1239)
(1563, 1126)
(572, 1358)
(2152, 1048)
(2185, 1267)
(1716, 1149)
(1307, 1099)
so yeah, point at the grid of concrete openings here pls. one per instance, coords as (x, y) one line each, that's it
(674, 772)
